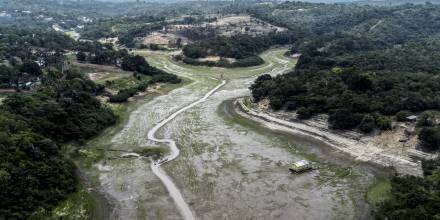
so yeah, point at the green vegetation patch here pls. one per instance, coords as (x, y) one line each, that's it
(32, 129)
(78, 205)
(2, 97)
(127, 82)
(379, 192)
(154, 152)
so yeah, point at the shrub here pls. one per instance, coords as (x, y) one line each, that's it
(430, 138)
(304, 113)
(402, 115)
(154, 47)
(166, 78)
(383, 123)
(426, 119)
(367, 124)
(155, 153)
(120, 97)
(81, 56)
(246, 62)
(276, 103)
(344, 119)
(429, 166)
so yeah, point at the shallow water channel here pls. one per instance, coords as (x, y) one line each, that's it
(228, 167)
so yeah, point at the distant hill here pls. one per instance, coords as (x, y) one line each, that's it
(363, 2)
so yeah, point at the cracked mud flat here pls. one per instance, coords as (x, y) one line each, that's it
(228, 168)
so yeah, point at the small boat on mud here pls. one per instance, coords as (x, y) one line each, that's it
(301, 166)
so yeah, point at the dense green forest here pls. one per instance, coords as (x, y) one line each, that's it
(34, 126)
(365, 66)
(24, 52)
(413, 197)
(372, 68)
(34, 174)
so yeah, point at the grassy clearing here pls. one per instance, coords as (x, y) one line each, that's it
(114, 76)
(78, 206)
(73, 34)
(121, 83)
(101, 73)
(94, 68)
(379, 192)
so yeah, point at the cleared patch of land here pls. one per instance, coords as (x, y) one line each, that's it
(89, 67)
(163, 39)
(225, 25)
(234, 24)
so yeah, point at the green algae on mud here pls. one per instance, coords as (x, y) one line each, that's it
(379, 191)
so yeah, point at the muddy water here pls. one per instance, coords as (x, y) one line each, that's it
(228, 167)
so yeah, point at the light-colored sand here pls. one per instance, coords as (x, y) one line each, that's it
(162, 39)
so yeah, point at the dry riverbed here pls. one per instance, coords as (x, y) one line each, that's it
(229, 167)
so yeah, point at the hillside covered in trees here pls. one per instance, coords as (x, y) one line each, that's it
(373, 66)
(33, 128)
(34, 174)
(51, 103)
(365, 66)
